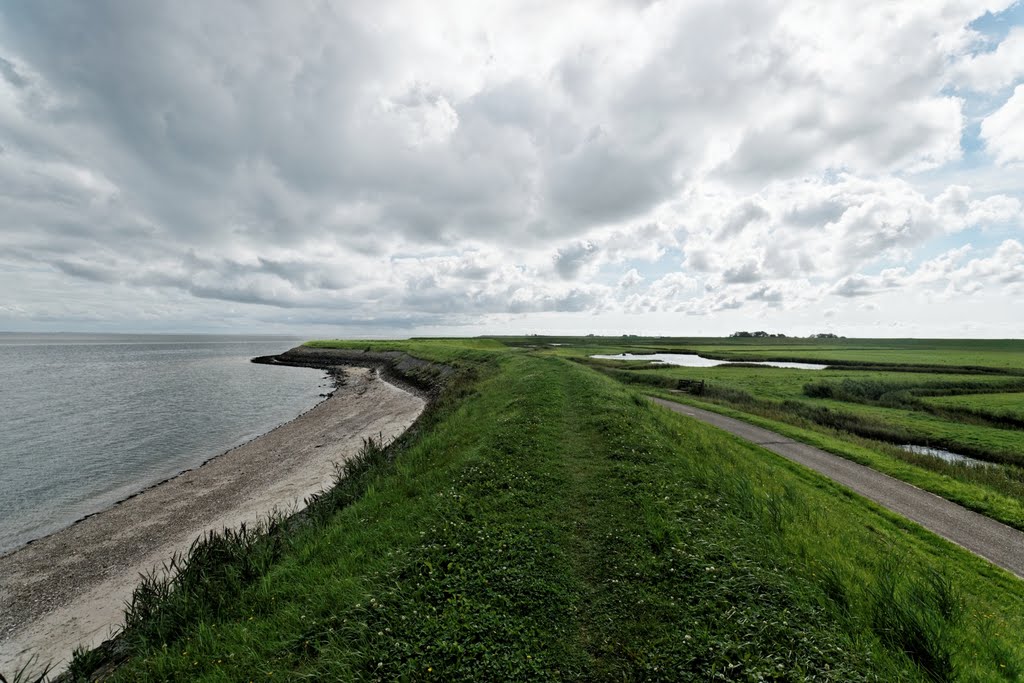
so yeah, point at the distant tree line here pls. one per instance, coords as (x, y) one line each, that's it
(779, 335)
(759, 333)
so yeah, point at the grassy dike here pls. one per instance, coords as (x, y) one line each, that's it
(543, 521)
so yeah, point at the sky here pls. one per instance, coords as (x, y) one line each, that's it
(367, 169)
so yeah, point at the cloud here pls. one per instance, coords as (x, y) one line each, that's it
(9, 72)
(855, 285)
(744, 273)
(631, 279)
(1004, 267)
(601, 180)
(766, 294)
(569, 260)
(950, 273)
(1003, 131)
(994, 210)
(995, 69)
(425, 167)
(742, 215)
(830, 228)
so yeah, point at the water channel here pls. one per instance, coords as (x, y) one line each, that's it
(692, 360)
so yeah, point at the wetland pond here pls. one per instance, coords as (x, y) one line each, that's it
(692, 360)
(945, 455)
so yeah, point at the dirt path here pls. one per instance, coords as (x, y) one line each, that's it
(69, 589)
(999, 544)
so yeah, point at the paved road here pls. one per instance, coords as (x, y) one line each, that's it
(996, 542)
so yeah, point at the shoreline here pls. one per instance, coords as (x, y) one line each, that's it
(336, 377)
(69, 588)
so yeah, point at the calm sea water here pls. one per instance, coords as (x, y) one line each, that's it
(86, 421)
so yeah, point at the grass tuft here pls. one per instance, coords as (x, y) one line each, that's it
(917, 614)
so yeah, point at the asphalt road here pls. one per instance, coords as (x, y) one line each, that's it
(999, 544)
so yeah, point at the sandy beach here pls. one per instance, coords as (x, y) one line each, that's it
(69, 589)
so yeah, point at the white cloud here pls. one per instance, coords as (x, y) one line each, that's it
(631, 279)
(814, 228)
(950, 273)
(1003, 131)
(993, 69)
(421, 118)
(995, 210)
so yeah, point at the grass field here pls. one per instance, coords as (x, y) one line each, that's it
(545, 522)
(888, 419)
(960, 396)
(998, 406)
(996, 355)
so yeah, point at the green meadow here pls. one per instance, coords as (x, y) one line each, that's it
(996, 406)
(961, 396)
(544, 521)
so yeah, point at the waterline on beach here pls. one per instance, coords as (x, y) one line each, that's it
(92, 419)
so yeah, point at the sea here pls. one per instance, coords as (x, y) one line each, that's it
(88, 420)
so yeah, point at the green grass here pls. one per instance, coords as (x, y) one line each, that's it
(998, 355)
(545, 522)
(914, 426)
(941, 395)
(788, 384)
(997, 492)
(997, 406)
(907, 421)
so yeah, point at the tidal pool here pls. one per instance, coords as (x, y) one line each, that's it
(692, 360)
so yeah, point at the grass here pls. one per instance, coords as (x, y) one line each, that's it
(1004, 356)
(997, 492)
(1001, 407)
(956, 395)
(887, 409)
(545, 522)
